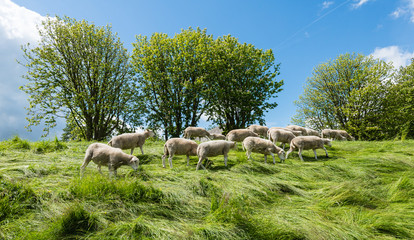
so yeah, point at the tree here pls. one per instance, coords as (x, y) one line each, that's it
(348, 93)
(82, 72)
(171, 78)
(241, 83)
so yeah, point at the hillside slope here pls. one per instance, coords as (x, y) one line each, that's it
(365, 190)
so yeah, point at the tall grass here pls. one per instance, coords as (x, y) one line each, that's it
(365, 190)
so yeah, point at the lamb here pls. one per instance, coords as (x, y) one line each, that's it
(191, 132)
(216, 136)
(280, 135)
(238, 135)
(102, 154)
(311, 132)
(212, 149)
(298, 128)
(259, 145)
(345, 134)
(131, 140)
(336, 134)
(260, 130)
(179, 146)
(308, 142)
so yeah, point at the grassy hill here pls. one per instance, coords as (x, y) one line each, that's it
(365, 190)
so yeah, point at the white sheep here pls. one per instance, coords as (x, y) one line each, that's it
(311, 132)
(216, 136)
(192, 132)
(308, 142)
(298, 128)
(212, 149)
(131, 140)
(179, 146)
(102, 154)
(266, 147)
(280, 135)
(238, 135)
(336, 134)
(259, 130)
(296, 133)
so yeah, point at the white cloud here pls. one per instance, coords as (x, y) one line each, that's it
(17, 26)
(393, 54)
(407, 9)
(359, 3)
(326, 4)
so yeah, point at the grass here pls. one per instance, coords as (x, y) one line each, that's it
(365, 190)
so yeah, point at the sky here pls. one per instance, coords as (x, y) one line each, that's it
(301, 33)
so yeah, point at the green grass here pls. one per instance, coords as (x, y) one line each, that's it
(365, 190)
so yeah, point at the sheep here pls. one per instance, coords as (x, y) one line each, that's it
(212, 149)
(298, 128)
(131, 140)
(102, 154)
(296, 133)
(308, 142)
(336, 134)
(345, 134)
(259, 145)
(179, 146)
(216, 136)
(260, 130)
(280, 135)
(191, 132)
(311, 132)
(238, 135)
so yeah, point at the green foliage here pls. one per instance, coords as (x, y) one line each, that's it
(349, 93)
(79, 71)
(49, 146)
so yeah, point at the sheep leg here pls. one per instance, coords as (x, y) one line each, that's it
(249, 155)
(225, 159)
(283, 146)
(300, 154)
(170, 160)
(132, 151)
(188, 160)
(314, 152)
(273, 156)
(112, 170)
(99, 169)
(142, 150)
(163, 160)
(326, 152)
(85, 163)
(200, 163)
(265, 158)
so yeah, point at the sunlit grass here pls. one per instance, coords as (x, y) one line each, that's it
(364, 190)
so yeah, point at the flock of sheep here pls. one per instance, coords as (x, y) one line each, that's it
(252, 139)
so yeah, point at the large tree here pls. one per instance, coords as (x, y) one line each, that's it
(82, 72)
(171, 78)
(349, 93)
(242, 84)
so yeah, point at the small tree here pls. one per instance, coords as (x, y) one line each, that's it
(82, 72)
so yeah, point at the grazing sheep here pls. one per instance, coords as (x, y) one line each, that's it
(346, 135)
(280, 135)
(179, 146)
(259, 145)
(308, 142)
(296, 133)
(259, 130)
(298, 128)
(212, 149)
(131, 140)
(192, 132)
(216, 136)
(102, 154)
(332, 134)
(311, 132)
(238, 135)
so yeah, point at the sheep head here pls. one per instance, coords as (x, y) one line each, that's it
(134, 163)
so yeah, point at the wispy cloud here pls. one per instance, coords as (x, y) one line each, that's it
(327, 4)
(394, 54)
(359, 3)
(406, 9)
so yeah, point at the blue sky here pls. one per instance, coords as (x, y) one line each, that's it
(301, 33)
